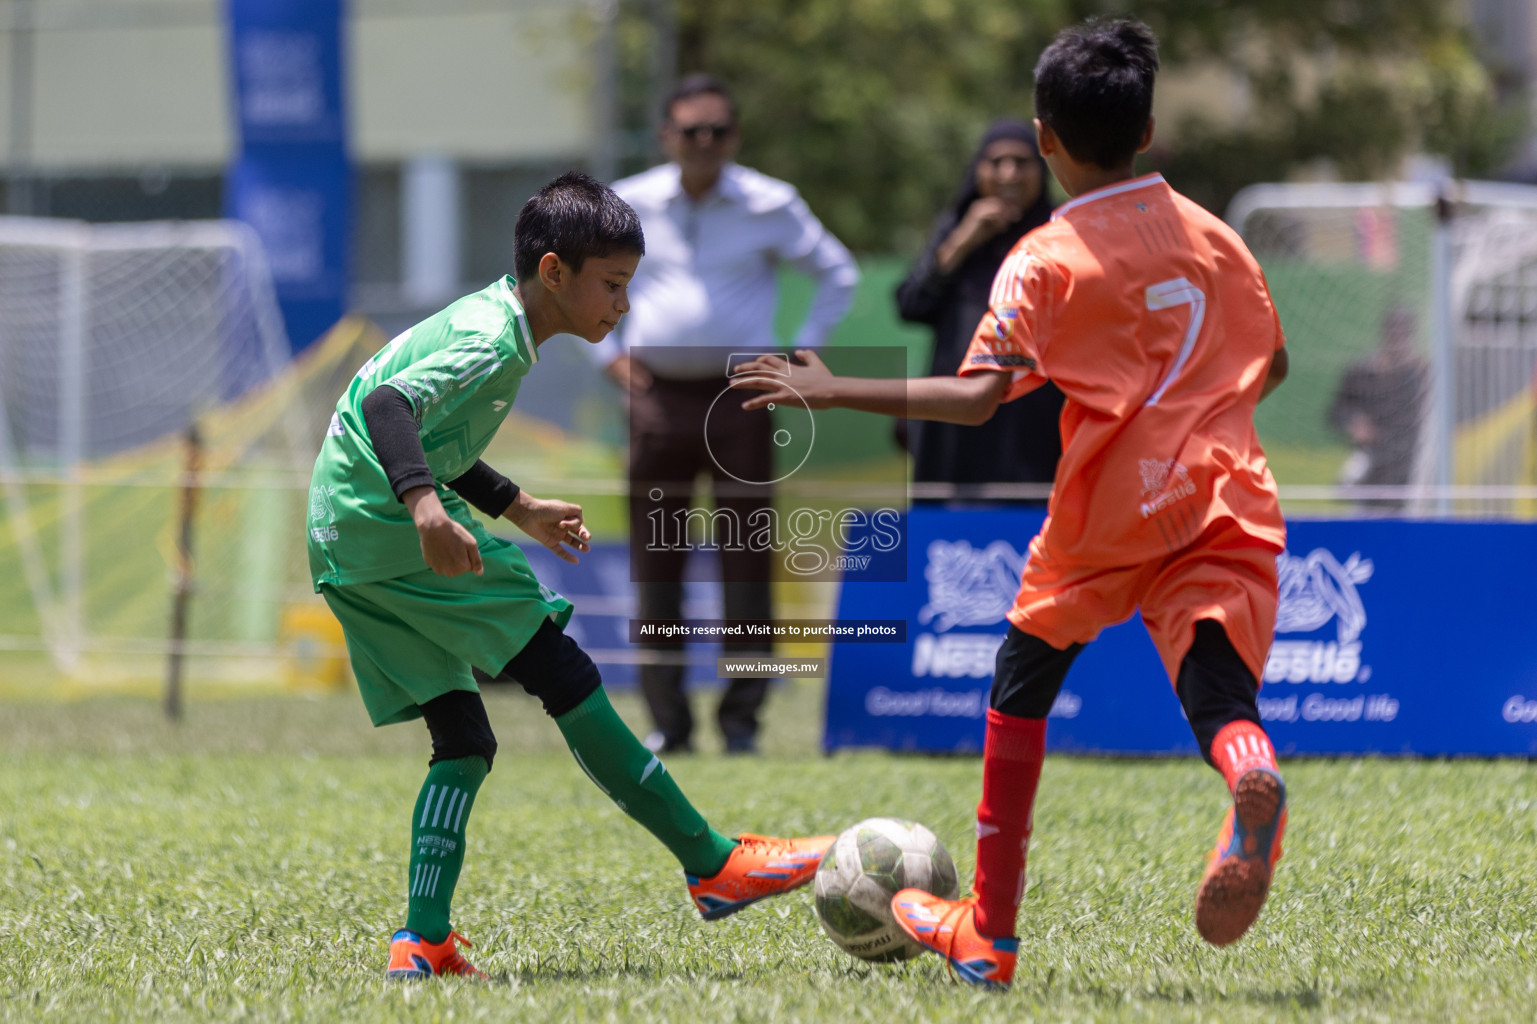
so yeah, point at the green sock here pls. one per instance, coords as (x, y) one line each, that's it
(636, 780)
(437, 842)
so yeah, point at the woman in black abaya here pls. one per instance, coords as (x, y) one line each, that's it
(1002, 197)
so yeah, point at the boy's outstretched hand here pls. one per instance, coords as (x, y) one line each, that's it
(808, 381)
(450, 549)
(554, 523)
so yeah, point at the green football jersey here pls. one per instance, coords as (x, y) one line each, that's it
(460, 370)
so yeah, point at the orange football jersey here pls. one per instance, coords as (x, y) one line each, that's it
(1154, 320)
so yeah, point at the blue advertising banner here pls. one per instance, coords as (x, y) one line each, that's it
(1392, 637)
(292, 181)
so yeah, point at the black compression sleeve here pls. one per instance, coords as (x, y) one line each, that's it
(391, 426)
(486, 489)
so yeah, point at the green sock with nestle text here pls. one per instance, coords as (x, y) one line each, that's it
(438, 825)
(636, 780)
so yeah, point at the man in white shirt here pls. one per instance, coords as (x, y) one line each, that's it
(715, 235)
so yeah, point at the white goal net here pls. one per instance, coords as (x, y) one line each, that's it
(1411, 317)
(114, 340)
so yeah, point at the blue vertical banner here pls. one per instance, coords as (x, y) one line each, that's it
(292, 179)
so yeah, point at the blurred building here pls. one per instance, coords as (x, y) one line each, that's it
(459, 109)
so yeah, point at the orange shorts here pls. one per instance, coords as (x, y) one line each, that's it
(1224, 574)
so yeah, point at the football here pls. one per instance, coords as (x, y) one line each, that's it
(860, 873)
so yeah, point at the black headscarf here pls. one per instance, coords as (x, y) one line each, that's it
(1033, 217)
(953, 303)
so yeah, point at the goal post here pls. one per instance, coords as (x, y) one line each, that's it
(114, 340)
(1411, 315)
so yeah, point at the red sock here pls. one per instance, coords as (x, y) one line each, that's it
(1011, 768)
(1240, 747)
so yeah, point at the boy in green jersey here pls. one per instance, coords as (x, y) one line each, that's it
(424, 593)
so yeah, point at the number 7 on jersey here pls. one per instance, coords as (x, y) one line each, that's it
(1166, 295)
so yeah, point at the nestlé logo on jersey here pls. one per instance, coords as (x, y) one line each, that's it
(323, 512)
(1164, 482)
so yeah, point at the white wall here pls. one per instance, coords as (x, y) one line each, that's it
(488, 84)
(131, 82)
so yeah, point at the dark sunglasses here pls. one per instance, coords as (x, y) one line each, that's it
(704, 132)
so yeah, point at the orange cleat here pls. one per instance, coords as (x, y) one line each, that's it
(948, 927)
(759, 867)
(1238, 878)
(413, 957)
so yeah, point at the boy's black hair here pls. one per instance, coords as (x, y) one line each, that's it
(699, 85)
(1094, 89)
(575, 216)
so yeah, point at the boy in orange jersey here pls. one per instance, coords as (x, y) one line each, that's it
(1154, 319)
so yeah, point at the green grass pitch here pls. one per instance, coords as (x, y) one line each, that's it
(251, 864)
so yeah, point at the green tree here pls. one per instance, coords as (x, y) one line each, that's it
(872, 107)
(1390, 77)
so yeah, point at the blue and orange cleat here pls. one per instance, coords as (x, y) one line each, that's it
(759, 867)
(1238, 878)
(948, 927)
(413, 958)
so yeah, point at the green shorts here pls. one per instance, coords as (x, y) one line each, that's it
(415, 637)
